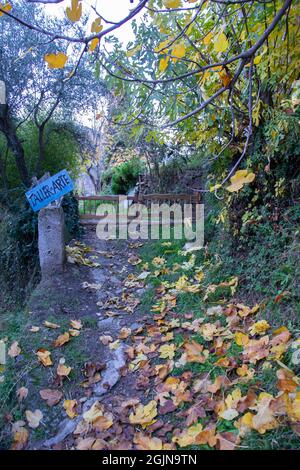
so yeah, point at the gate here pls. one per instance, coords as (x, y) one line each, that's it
(90, 206)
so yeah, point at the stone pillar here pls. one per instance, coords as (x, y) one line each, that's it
(51, 226)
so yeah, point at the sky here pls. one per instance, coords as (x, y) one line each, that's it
(113, 10)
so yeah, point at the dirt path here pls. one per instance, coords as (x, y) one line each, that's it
(104, 300)
(116, 307)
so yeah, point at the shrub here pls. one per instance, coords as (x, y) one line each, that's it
(19, 247)
(125, 176)
(71, 210)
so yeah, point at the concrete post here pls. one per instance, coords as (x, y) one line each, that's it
(51, 226)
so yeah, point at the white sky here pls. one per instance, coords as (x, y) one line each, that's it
(113, 10)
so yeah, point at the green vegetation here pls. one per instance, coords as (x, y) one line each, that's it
(125, 176)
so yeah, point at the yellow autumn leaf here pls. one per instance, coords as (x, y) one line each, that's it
(74, 12)
(61, 340)
(188, 436)
(221, 43)
(208, 38)
(241, 339)
(172, 3)
(44, 357)
(96, 26)
(7, 7)
(239, 179)
(93, 44)
(56, 61)
(93, 413)
(70, 407)
(178, 51)
(163, 64)
(20, 439)
(144, 415)
(158, 261)
(167, 351)
(259, 328)
(144, 442)
(162, 46)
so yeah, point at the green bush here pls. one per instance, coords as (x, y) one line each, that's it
(19, 262)
(18, 252)
(71, 210)
(125, 176)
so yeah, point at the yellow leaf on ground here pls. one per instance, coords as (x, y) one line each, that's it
(144, 415)
(33, 418)
(241, 339)
(20, 439)
(70, 407)
(62, 339)
(74, 333)
(167, 351)
(34, 329)
(144, 442)
(93, 413)
(44, 357)
(188, 436)
(259, 328)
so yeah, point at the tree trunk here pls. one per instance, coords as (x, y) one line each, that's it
(13, 142)
(41, 156)
(3, 175)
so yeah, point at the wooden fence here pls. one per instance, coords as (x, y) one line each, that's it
(90, 206)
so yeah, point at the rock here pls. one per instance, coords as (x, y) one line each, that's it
(66, 427)
(111, 374)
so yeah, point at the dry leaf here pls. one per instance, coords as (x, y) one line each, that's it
(61, 340)
(14, 349)
(44, 357)
(49, 324)
(70, 407)
(52, 397)
(33, 418)
(22, 393)
(76, 324)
